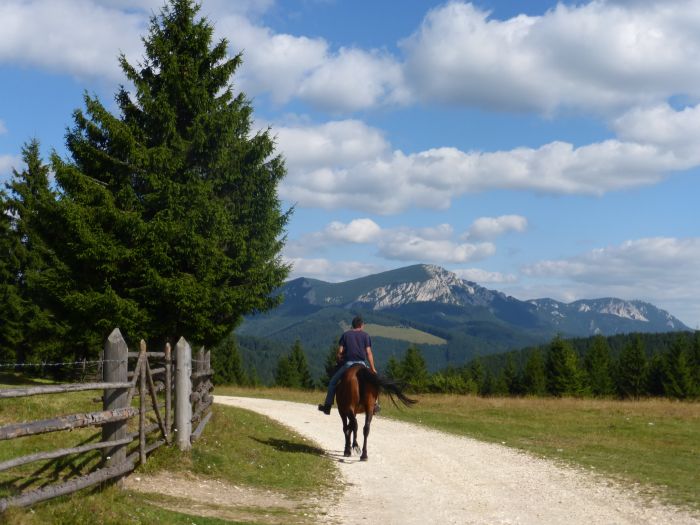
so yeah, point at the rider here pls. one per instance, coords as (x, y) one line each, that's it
(354, 348)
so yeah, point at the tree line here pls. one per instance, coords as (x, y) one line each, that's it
(623, 366)
(164, 218)
(557, 369)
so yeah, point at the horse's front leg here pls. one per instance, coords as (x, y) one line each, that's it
(365, 432)
(347, 430)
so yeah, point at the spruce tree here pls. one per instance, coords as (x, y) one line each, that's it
(678, 381)
(694, 362)
(228, 363)
(656, 376)
(298, 361)
(510, 378)
(11, 313)
(598, 373)
(534, 375)
(330, 365)
(414, 370)
(393, 369)
(169, 221)
(286, 374)
(477, 373)
(562, 370)
(33, 208)
(632, 370)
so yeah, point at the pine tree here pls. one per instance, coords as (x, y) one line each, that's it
(694, 362)
(562, 371)
(656, 376)
(298, 362)
(534, 375)
(678, 381)
(169, 221)
(393, 369)
(33, 205)
(286, 374)
(477, 374)
(11, 312)
(414, 370)
(330, 365)
(511, 380)
(598, 372)
(228, 363)
(632, 370)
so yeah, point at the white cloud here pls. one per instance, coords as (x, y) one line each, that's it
(599, 55)
(332, 271)
(490, 227)
(428, 244)
(661, 270)
(480, 276)
(3, 128)
(73, 36)
(356, 231)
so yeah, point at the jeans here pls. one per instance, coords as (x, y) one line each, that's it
(333, 383)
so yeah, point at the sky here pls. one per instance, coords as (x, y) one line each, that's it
(537, 148)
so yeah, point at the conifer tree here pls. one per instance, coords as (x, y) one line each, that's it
(695, 362)
(632, 370)
(656, 376)
(330, 365)
(534, 375)
(33, 205)
(228, 363)
(562, 370)
(414, 370)
(286, 374)
(11, 313)
(298, 361)
(393, 369)
(678, 381)
(168, 221)
(477, 373)
(598, 373)
(511, 380)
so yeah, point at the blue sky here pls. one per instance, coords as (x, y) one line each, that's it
(538, 148)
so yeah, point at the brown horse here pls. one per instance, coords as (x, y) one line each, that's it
(357, 392)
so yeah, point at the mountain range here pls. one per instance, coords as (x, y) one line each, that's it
(452, 320)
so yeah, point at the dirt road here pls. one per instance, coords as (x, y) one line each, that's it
(420, 476)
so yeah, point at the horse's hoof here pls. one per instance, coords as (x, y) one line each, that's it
(347, 454)
(363, 458)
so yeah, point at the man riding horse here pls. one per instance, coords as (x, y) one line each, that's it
(354, 348)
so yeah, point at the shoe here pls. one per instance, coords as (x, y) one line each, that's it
(326, 409)
(377, 408)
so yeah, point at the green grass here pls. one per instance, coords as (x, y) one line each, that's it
(412, 335)
(653, 443)
(237, 446)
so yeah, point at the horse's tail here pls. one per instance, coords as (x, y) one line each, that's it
(384, 384)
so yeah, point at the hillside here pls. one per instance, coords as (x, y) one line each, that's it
(424, 304)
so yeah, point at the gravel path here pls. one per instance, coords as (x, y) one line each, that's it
(420, 476)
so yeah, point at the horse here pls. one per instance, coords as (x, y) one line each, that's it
(357, 392)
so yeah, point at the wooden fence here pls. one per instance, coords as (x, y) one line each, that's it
(156, 389)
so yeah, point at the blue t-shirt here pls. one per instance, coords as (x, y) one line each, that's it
(354, 342)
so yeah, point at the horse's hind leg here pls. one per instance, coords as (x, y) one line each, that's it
(347, 430)
(355, 446)
(352, 430)
(365, 432)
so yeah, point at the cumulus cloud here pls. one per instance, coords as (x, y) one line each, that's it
(79, 37)
(371, 177)
(490, 227)
(661, 270)
(480, 276)
(600, 55)
(429, 244)
(331, 271)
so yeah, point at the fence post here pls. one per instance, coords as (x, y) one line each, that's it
(115, 370)
(142, 402)
(168, 390)
(183, 390)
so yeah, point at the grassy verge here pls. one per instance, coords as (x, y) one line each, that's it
(237, 447)
(653, 443)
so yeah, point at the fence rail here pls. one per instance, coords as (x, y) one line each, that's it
(121, 386)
